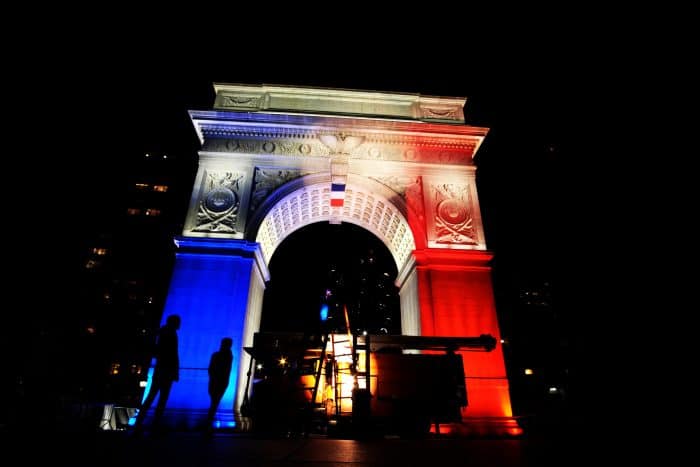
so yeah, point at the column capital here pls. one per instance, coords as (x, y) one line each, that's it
(226, 247)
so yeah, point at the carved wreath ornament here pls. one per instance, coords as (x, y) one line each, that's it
(453, 217)
(218, 209)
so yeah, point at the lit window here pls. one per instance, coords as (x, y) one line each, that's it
(152, 212)
(133, 211)
(115, 368)
(99, 251)
(528, 371)
(161, 188)
(141, 186)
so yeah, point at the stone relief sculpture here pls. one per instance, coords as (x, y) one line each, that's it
(410, 189)
(241, 101)
(218, 208)
(267, 180)
(414, 197)
(396, 183)
(453, 217)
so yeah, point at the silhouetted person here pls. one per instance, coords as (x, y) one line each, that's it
(167, 370)
(219, 374)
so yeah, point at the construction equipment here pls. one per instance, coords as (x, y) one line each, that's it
(350, 385)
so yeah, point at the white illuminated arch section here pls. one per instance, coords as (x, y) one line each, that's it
(368, 204)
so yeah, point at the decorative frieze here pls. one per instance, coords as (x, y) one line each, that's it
(281, 147)
(353, 148)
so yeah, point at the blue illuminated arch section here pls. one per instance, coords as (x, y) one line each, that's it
(209, 289)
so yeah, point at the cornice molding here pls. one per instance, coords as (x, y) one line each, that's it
(413, 142)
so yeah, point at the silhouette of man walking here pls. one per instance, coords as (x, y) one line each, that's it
(219, 374)
(166, 371)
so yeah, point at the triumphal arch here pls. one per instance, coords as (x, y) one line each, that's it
(274, 159)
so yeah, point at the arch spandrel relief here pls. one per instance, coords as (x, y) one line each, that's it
(220, 203)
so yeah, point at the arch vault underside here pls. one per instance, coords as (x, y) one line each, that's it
(367, 204)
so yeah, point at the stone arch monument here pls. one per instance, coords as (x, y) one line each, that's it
(274, 159)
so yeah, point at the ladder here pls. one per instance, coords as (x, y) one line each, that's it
(319, 369)
(360, 373)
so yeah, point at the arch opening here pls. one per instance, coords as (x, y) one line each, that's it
(340, 266)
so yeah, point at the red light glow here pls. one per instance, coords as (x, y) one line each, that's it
(456, 299)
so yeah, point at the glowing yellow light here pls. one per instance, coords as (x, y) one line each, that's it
(528, 371)
(282, 361)
(346, 382)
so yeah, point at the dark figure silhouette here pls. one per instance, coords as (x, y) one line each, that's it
(219, 373)
(167, 370)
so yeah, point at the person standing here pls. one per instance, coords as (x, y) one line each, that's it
(219, 375)
(166, 371)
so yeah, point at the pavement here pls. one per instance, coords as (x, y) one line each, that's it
(174, 449)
